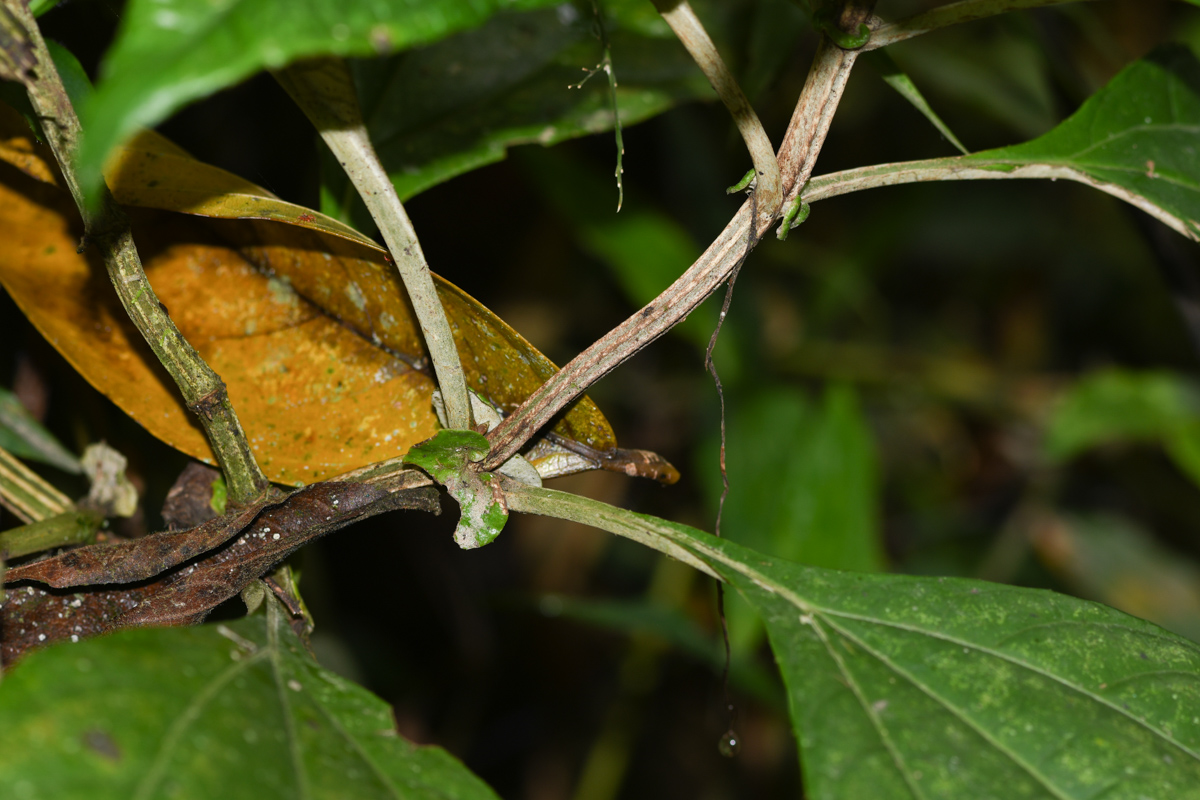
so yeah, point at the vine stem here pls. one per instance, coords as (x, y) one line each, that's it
(797, 156)
(687, 26)
(107, 229)
(324, 90)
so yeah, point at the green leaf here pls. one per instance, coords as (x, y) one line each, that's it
(39, 7)
(447, 458)
(1119, 406)
(896, 78)
(1135, 139)
(907, 687)
(24, 436)
(1138, 135)
(230, 710)
(460, 104)
(920, 688)
(171, 52)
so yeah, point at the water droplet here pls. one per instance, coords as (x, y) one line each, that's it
(730, 744)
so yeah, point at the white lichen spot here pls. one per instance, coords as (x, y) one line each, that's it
(356, 296)
(294, 685)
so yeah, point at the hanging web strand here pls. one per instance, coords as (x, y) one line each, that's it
(730, 735)
(606, 66)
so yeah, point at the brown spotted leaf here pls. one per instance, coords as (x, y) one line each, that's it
(322, 360)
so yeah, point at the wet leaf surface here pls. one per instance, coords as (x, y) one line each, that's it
(237, 709)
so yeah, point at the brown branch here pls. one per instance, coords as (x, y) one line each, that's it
(797, 156)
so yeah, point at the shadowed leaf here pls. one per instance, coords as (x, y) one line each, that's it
(171, 52)
(232, 710)
(457, 105)
(905, 687)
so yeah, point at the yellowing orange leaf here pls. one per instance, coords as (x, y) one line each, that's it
(322, 359)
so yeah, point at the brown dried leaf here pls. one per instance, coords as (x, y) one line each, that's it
(31, 616)
(134, 560)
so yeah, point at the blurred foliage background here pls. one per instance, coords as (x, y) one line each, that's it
(991, 379)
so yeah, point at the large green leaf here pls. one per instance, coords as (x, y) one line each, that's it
(230, 710)
(907, 687)
(943, 688)
(171, 52)
(442, 110)
(1137, 139)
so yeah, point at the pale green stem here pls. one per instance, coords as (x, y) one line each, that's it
(325, 92)
(107, 229)
(26, 494)
(687, 26)
(71, 528)
(976, 168)
(649, 531)
(951, 14)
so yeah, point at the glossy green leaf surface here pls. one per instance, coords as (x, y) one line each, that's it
(457, 105)
(171, 52)
(905, 687)
(228, 710)
(1116, 406)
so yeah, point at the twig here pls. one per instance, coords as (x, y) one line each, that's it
(106, 227)
(640, 528)
(805, 135)
(951, 14)
(687, 26)
(325, 92)
(980, 168)
(63, 530)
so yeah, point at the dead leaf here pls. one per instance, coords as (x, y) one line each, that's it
(247, 545)
(322, 360)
